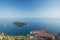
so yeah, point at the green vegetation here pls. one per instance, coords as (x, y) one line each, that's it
(16, 39)
(21, 38)
(5, 38)
(21, 24)
(59, 34)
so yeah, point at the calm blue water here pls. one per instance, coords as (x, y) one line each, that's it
(52, 25)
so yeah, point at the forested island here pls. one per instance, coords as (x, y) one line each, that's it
(21, 24)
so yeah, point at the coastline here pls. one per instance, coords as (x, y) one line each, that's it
(38, 33)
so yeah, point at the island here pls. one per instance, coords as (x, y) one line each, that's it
(21, 24)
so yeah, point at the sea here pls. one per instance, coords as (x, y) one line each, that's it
(8, 27)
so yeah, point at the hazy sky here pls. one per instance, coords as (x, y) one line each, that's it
(29, 8)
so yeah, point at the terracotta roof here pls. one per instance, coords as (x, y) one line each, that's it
(42, 33)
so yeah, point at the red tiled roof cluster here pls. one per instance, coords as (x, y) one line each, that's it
(43, 33)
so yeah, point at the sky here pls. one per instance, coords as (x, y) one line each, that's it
(29, 8)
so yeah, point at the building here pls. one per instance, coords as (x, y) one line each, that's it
(42, 35)
(10, 38)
